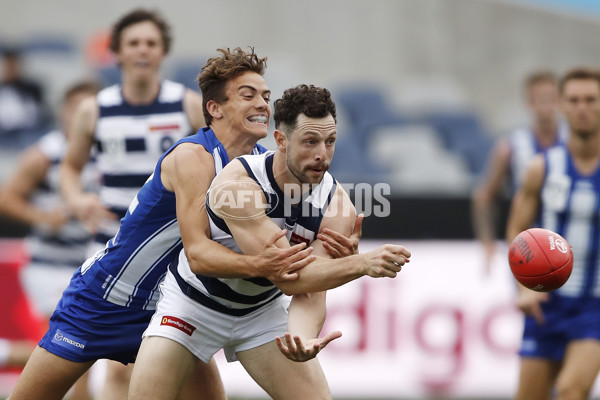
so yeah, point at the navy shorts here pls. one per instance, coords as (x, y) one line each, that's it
(566, 320)
(85, 327)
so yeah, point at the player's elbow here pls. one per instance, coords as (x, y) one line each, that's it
(288, 291)
(295, 288)
(195, 259)
(289, 288)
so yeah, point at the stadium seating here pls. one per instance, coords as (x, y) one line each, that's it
(463, 133)
(418, 162)
(186, 70)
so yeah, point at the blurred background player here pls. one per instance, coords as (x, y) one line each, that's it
(131, 124)
(512, 155)
(561, 190)
(23, 112)
(57, 243)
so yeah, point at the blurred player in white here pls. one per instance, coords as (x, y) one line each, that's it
(199, 314)
(512, 155)
(561, 191)
(58, 242)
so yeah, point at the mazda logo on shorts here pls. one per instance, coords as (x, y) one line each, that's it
(58, 336)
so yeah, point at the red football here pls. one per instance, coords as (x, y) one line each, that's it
(540, 259)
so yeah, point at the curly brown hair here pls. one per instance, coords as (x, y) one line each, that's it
(220, 69)
(134, 17)
(312, 101)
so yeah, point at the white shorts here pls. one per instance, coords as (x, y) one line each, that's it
(44, 285)
(204, 331)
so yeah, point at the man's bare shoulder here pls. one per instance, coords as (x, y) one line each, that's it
(536, 170)
(233, 171)
(187, 161)
(189, 152)
(88, 108)
(234, 194)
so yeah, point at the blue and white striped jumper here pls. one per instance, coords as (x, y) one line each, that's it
(65, 248)
(570, 206)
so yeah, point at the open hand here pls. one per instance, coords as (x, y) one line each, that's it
(294, 350)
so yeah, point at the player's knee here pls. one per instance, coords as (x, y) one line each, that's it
(118, 374)
(571, 391)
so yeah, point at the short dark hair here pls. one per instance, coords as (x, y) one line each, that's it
(87, 86)
(219, 69)
(312, 101)
(579, 73)
(134, 17)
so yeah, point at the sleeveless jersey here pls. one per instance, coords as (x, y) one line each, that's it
(67, 246)
(570, 206)
(127, 272)
(129, 139)
(242, 296)
(524, 145)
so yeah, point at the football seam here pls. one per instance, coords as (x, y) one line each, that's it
(542, 251)
(537, 276)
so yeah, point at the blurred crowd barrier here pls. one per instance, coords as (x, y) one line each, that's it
(18, 321)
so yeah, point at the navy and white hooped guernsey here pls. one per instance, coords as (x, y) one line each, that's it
(129, 140)
(66, 247)
(128, 271)
(242, 296)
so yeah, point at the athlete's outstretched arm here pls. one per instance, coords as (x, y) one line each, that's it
(250, 227)
(307, 312)
(526, 202)
(87, 207)
(523, 210)
(15, 194)
(485, 196)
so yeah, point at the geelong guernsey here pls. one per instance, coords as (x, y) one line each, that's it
(129, 139)
(67, 246)
(570, 206)
(127, 272)
(242, 296)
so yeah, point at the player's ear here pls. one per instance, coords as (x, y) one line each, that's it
(214, 109)
(280, 140)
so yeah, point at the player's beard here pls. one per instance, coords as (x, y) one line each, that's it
(304, 175)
